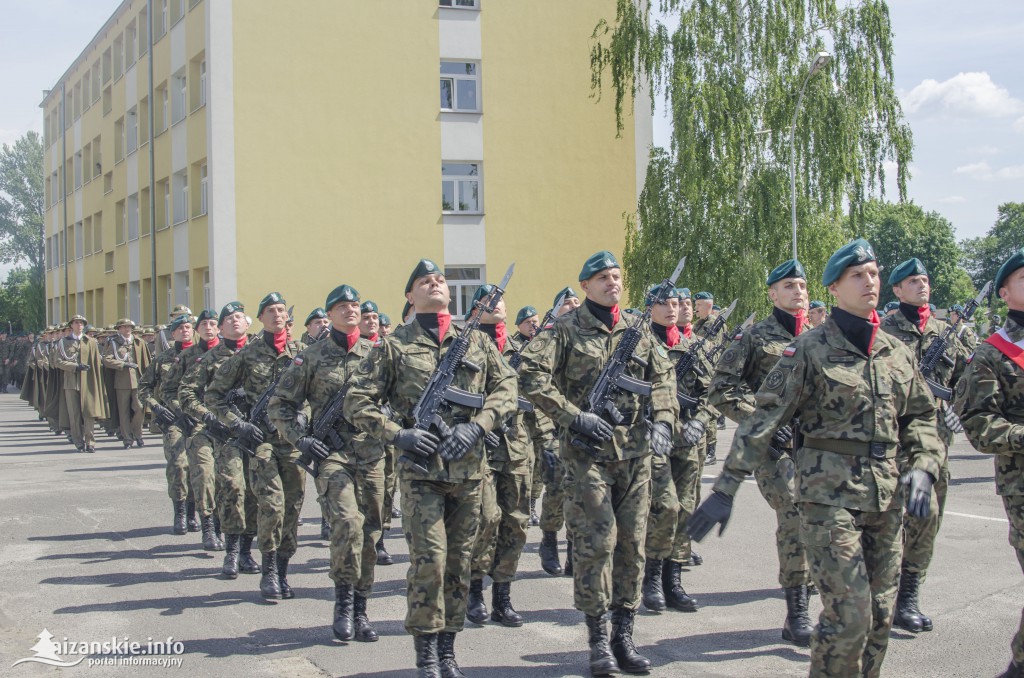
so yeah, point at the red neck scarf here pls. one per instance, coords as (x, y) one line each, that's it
(353, 338)
(500, 336)
(615, 315)
(186, 344)
(688, 330)
(280, 341)
(672, 335)
(212, 343)
(444, 321)
(875, 322)
(923, 313)
(372, 337)
(801, 321)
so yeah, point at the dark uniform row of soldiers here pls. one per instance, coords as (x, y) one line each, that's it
(837, 424)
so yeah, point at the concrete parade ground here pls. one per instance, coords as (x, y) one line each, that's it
(87, 553)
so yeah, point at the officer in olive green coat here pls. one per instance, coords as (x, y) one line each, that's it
(128, 357)
(862, 403)
(610, 498)
(990, 402)
(441, 506)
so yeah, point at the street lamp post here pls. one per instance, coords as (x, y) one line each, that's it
(820, 61)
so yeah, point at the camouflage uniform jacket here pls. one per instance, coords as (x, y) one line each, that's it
(561, 364)
(397, 371)
(170, 386)
(315, 377)
(845, 401)
(695, 382)
(944, 373)
(196, 376)
(150, 386)
(516, 441)
(967, 337)
(253, 369)
(990, 402)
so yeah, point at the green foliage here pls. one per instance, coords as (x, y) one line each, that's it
(22, 302)
(21, 230)
(983, 256)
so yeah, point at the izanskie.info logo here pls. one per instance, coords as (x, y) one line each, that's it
(114, 652)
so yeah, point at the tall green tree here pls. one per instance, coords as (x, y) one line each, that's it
(730, 75)
(21, 224)
(983, 256)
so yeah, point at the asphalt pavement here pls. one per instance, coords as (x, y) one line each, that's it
(86, 552)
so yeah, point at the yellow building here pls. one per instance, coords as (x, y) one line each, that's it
(297, 146)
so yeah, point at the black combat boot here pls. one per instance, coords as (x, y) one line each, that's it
(798, 627)
(343, 625)
(383, 557)
(476, 609)
(534, 518)
(446, 655)
(602, 661)
(675, 595)
(216, 525)
(653, 589)
(693, 561)
(501, 605)
(365, 633)
(270, 587)
(549, 553)
(230, 568)
(193, 522)
(325, 529)
(246, 563)
(282, 577)
(567, 570)
(907, 616)
(622, 645)
(426, 656)
(179, 518)
(711, 459)
(210, 540)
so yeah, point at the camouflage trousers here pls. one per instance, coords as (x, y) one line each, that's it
(1014, 505)
(537, 479)
(130, 413)
(664, 514)
(855, 561)
(687, 463)
(390, 483)
(920, 533)
(81, 425)
(606, 515)
(279, 485)
(234, 495)
(775, 481)
(202, 473)
(504, 518)
(552, 507)
(353, 495)
(177, 464)
(440, 520)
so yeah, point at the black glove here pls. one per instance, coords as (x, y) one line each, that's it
(313, 446)
(82, 367)
(550, 461)
(693, 431)
(661, 438)
(716, 509)
(243, 429)
(783, 436)
(129, 365)
(164, 416)
(210, 419)
(461, 441)
(417, 441)
(919, 495)
(492, 440)
(592, 426)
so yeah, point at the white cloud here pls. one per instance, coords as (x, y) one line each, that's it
(984, 172)
(965, 95)
(1018, 126)
(953, 200)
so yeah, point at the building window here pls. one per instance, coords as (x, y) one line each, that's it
(97, 232)
(202, 82)
(180, 196)
(108, 182)
(119, 140)
(129, 44)
(460, 187)
(108, 262)
(132, 217)
(463, 282)
(179, 91)
(161, 20)
(460, 86)
(143, 32)
(132, 131)
(162, 112)
(79, 241)
(78, 170)
(207, 292)
(119, 222)
(460, 4)
(204, 196)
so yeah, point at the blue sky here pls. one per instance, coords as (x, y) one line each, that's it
(957, 71)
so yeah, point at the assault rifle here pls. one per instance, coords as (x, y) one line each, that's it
(439, 394)
(517, 357)
(613, 379)
(323, 430)
(689, 360)
(937, 350)
(717, 351)
(258, 413)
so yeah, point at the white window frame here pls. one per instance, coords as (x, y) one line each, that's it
(459, 4)
(455, 79)
(131, 131)
(458, 181)
(181, 206)
(456, 286)
(179, 98)
(202, 82)
(204, 196)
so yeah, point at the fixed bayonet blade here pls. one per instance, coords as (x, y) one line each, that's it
(984, 293)
(749, 321)
(679, 269)
(728, 312)
(508, 276)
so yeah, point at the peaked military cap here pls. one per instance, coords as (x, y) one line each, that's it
(480, 293)
(700, 296)
(207, 314)
(339, 294)
(178, 322)
(597, 263)
(905, 270)
(787, 269)
(229, 308)
(683, 292)
(77, 317)
(524, 313)
(180, 309)
(851, 254)
(317, 312)
(816, 304)
(385, 321)
(568, 293)
(1015, 261)
(890, 306)
(123, 321)
(269, 300)
(654, 290)
(369, 307)
(425, 267)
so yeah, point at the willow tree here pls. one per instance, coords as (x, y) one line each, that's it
(730, 75)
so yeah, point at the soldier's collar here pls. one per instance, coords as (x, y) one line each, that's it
(1014, 329)
(589, 321)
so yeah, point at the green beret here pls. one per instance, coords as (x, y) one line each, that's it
(524, 313)
(178, 322)
(229, 308)
(385, 321)
(683, 292)
(654, 290)
(339, 294)
(425, 267)
(890, 306)
(787, 269)
(905, 270)
(567, 293)
(817, 304)
(597, 263)
(701, 296)
(716, 307)
(314, 314)
(369, 307)
(1015, 261)
(207, 314)
(405, 310)
(480, 293)
(852, 254)
(270, 299)
(931, 307)
(957, 308)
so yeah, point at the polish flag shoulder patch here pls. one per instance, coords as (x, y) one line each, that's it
(298, 360)
(790, 351)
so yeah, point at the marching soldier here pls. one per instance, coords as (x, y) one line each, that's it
(990, 401)
(527, 325)
(742, 370)
(441, 506)
(704, 313)
(79, 358)
(385, 325)
(966, 334)
(157, 336)
(816, 313)
(316, 321)
(128, 357)
(278, 482)
(611, 493)
(861, 402)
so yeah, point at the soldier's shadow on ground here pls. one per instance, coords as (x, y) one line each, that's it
(720, 647)
(68, 450)
(137, 467)
(137, 533)
(177, 605)
(162, 552)
(274, 640)
(120, 579)
(970, 481)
